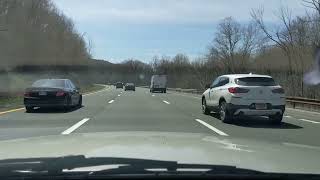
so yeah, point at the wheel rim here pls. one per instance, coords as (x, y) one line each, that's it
(222, 112)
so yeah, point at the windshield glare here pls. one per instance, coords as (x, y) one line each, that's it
(255, 81)
(231, 83)
(49, 83)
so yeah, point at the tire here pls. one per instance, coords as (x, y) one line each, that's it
(276, 119)
(67, 107)
(80, 102)
(205, 109)
(29, 109)
(223, 113)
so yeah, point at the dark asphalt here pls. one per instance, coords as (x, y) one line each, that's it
(117, 110)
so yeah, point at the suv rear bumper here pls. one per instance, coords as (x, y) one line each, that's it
(249, 111)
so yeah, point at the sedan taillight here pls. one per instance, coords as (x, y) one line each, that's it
(27, 94)
(234, 90)
(60, 93)
(278, 91)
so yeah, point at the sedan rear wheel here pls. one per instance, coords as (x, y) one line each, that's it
(80, 102)
(29, 109)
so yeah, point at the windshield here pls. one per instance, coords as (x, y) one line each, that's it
(49, 83)
(255, 81)
(216, 82)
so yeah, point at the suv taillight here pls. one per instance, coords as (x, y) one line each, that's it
(278, 91)
(234, 90)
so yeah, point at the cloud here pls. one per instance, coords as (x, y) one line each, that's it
(169, 11)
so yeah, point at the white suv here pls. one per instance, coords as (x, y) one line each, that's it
(244, 94)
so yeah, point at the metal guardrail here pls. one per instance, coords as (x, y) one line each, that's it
(295, 102)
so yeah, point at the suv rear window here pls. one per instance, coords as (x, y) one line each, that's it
(49, 83)
(255, 81)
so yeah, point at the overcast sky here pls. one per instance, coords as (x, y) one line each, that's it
(141, 29)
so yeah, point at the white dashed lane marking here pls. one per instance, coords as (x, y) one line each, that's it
(111, 101)
(76, 126)
(212, 128)
(166, 102)
(306, 120)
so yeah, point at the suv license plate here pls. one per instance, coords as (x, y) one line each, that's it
(42, 93)
(261, 106)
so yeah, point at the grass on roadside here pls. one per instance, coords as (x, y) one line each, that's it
(13, 102)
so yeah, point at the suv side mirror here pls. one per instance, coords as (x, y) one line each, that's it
(207, 86)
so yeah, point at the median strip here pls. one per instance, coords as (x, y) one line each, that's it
(76, 126)
(212, 128)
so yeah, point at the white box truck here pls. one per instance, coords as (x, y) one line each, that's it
(158, 83)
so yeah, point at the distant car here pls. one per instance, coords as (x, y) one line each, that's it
(119, 85)
(244, 94)
(158, 83)
(47, 93)
(130, 86)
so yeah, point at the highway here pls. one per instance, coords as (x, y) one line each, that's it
(117, 110)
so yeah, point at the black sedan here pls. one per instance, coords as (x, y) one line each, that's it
(49, 93)
(130, 86)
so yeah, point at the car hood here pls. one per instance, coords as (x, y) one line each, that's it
(182, 147)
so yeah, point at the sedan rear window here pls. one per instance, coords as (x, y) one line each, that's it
(49, 83)
(255, 81)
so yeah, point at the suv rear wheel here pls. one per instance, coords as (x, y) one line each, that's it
(223, 113)
(205, 109)
(276, 119)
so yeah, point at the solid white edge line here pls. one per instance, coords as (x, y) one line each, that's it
(166, 102)
(111, 101)
(212, 128)
(76, 126)
(306, 120)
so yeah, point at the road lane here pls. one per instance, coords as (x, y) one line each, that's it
(138, 111)
(144, 111)
(292, 129)
(20, 124)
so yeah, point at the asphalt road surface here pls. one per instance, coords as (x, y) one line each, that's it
(117, 110)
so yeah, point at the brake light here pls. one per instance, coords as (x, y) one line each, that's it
(278, 91)
(234, 90)
(60, 93)
(27, 94)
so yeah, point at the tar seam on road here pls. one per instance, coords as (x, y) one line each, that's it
(212, 128)
(76, 126)
(111, 101)
(306, 120)
(166, 102)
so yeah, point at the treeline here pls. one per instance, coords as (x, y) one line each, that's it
(285, 52)
(35, 32)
